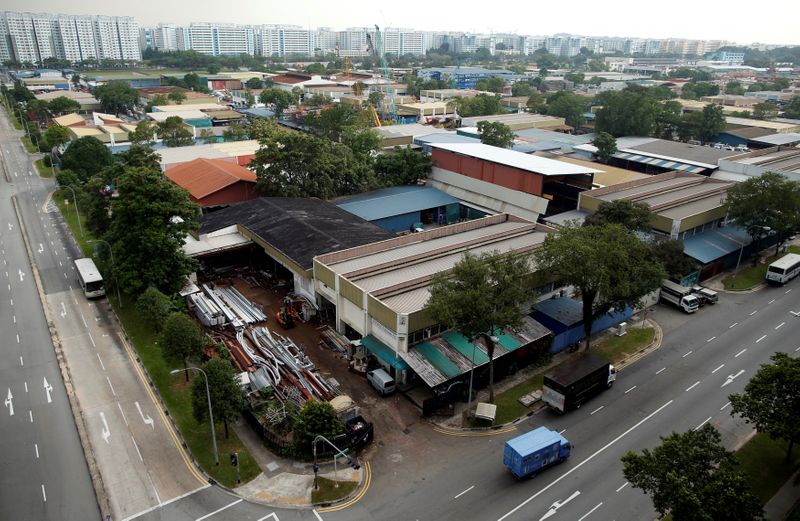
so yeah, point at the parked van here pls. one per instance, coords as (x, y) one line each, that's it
(381, 381)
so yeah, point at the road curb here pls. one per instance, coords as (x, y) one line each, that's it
(658, 341)
(101, 495)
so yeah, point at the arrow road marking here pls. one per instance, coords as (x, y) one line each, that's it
(63, 310)
(48, 389)
(105, 433)
(732, 377)
(9, 403)
(21, 276)
(41, 248)
(558, 504)
(146, 419)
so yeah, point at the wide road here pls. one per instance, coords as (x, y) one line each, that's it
(45, 475)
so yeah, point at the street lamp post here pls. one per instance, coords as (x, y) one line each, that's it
(210, 412)
(492, 338)
(77, 211)
(116, 281)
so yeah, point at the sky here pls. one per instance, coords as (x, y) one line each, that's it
(741, 21)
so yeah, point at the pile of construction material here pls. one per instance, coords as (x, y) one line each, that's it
(237, 310)
(335, 341)
(206, 310)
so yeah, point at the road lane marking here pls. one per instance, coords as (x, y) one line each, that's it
(692, 386)
(101, 361)
(123, 414)
(587, 460)
(562, 431)
(771, 301)
(732, 377)
(623, 486)
(112, 387)
(710, 339)
(724, 406)
(313, 510)
(10, 402)
(84, 321)
(796, 350)
(631, 389)
(15, 319)
(219, 510)
(780, 326)
(174, 500)
(91, 339)
(660, 370)
(788, 290)
(464, 492)
(44, 494)
(718, 368)
(753, 313)
(105, 432)
(137, 449)
(596, 410)
(21, 362)
(48, 389)
(733, 325)
(12, 301)
(704, 422)
(553, 510)
(30, 414)
(760, 339)
(687, 354)
(26, 387)
(737, 355)
(36, 446)
(590, 511)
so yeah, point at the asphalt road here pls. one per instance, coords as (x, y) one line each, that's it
(45, 475)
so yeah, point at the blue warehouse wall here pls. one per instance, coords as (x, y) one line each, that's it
(399, 223)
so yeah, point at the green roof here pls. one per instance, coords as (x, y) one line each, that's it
(384, 352)
(465, 347)
(438, 359)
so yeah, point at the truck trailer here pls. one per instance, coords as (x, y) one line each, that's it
(533, 451)
(680, 296)
(568, 386)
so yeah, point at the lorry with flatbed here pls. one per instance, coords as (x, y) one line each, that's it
(533, 451)
(571, 384)
(679, 296)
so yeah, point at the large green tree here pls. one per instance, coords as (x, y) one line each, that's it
(606, 146)
(55, 136)
(177, 96)
(609, 266)
(315, 419)
(154, 307)
(496, 134)
(763, 203)
(279, 99)
(150, 220)
(404, 166)
(332, 123)
(480, 105)
(765, 110)
(182, 339)
(116, 96)
(632, 215)
(235, 132)
(86, 157)
(254, 83)
(227, 398)
(569, 106)
(143, 134)
(694, 478)
(669, 252)
(792, 109)
(62, 105)
(173, 132)
(491, 85)
(628, 113)
(480, 296)
(537, 103)
(771, 400)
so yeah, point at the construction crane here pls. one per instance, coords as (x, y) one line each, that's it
(380, 51)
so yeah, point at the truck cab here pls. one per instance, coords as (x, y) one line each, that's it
(705, 295)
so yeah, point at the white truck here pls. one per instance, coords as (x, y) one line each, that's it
(705, 295)
(680, 296)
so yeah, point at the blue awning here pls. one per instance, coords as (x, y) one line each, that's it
(384, 352)
(711, 245)
(656, 161)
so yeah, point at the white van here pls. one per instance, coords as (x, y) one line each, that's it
(381, 381)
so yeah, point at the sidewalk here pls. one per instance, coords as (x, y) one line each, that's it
(782, 502)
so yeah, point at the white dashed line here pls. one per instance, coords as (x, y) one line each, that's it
(464, 492)
(693, 386)
(44, 494)
(710, 339)
(596, 410)
(112, 387)
(122, 413)
(733, 325)
(21, 363)
(631, 389)
(562, 431)
(623, 486)
(753, 313)
(687, 354)
(36, 446)
(740, 353)
(101, 361)
(760, 339)
(724, 406)
(788, 290)
(701, 425)
(26, 387)
(30, 414)
(771, 301)
(661, 370)
(717, 369)
(137, 449)
(780, 325)
(589, 512)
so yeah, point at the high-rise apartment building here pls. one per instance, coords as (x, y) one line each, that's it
(221, 39)
(35, 37)
(283, 40)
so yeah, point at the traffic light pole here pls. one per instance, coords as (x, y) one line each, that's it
(339, 452)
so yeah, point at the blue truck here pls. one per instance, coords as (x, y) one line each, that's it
(529, 453)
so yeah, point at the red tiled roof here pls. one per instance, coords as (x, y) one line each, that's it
(203, 177)
(290, 78)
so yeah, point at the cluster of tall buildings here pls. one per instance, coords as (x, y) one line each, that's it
(35, 37)
(31, 37)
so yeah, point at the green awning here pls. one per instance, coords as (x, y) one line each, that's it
(384, 352)
(465, 347)
(438, 360)
(508, 342)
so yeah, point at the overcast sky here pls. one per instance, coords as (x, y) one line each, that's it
(737, 20)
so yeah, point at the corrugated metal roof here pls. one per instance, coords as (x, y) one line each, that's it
(397, 200)
(779, 139)
(203, 177)
(564, 310)
(710, 245)
(514, 159)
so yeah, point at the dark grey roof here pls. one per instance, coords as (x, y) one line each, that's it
(684, 151)
(748, 132)
(300, 228)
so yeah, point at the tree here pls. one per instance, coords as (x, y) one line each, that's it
(611, 268)
(76, 81)
(227, 398)
(213, 69)
(569, 106)
(249, 99)
(159, 100)
(207, 136)
(490, 85)
(767, 202)
(362, 141)
(404, 166)
(765, 110)
(496, 134)
(536, 103)
(734, 88)
(86, 157)
(631, 215)
(154, 307)
(694, 478)
(481, 296)
(792, 109)
(62, 105)
(235, 132)
(278, 98)
(358, 88)
(575, 77)
(606, 146)
(331, 123)
(254, 83)
(193, 82)
(173, 132)
(712, 122)
(697, 90)
(116, 96)
(480, 105)
(315, 419)
(139, 156)
(182, 339)
(177, 96)
(771, 400)
(521, 88)
(375, 97)
(315, 68)
(55, 136)
(150, 220)
(628, 113)
(670, 253)
(143, 134)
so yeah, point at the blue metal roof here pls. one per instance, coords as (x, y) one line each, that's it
(397, 200)
(710, 245)
(564, 310)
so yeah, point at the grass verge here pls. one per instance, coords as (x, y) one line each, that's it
(329, 492)
(13, 117)
(754, 275)
(29, 146)
(764, 462)
(44, 170)
(174, 390)
(508, 406)
(615, 348)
